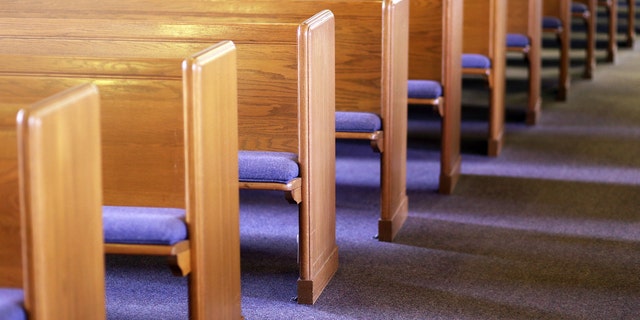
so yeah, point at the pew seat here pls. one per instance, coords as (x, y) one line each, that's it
(144, 225)
(11, 304)
(426, 92)
(518, 42)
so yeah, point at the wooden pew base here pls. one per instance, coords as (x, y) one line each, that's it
(448, 180)
(387, 229)
(310, 290)
(533, 113)
(178, 255)
(495, 146)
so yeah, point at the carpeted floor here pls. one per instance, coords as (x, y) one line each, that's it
(550, 229)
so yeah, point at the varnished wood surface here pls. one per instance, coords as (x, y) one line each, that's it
(51, 198)
(212, 192)
(525, 17)
(484, 32)
(272, 90)
(590, 21)
(367, 33)
(435, 48)
(561, 9)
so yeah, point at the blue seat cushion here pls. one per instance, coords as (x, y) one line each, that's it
(267, 166)
(517, 40)
(143, 225)
(12, 304)
(424, 89)
(551, 23)
(474, 60)
(352, 121)
(579, 7)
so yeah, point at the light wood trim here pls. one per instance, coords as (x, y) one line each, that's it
(292, 189)
(376, 138)
(61, 206)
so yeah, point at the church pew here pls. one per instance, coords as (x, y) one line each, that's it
(630, 30)
(435, 48)
(484, 37)
(556, 16)
(587, 11)
(51, 256)
(525, 19)
(611, 10)
(369, 33)
(143, 130)
(270, 79)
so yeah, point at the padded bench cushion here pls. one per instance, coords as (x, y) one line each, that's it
(551, 23)
(357, 122)
(12, 304)
(267, 166)
(424, 89)
(143, 225)
(474, 60)
(517, 40)
(579, 8)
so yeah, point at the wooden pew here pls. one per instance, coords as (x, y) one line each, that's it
(589, 17)
(296, 96)
(561, 10)
(611, 9)
(371, 66)
(525, 18)
(484, 33)
(51, 222)
(435, 48)
(142, 129)
(630, 31)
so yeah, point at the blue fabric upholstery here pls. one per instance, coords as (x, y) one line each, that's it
(143, 225)
(357, 121)
(517, 40)
(267, 166)
(424, 89)
(579, 8)
(551, 23)
(474, 60)
(12, 304)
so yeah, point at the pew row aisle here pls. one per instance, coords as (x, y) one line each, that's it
(51, 261)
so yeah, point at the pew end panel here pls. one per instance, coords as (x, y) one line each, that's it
(61, 199)
(561, 9)
(318, 249)
(525, 18)
(435, 51)
(484, 33)
(212, 191)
